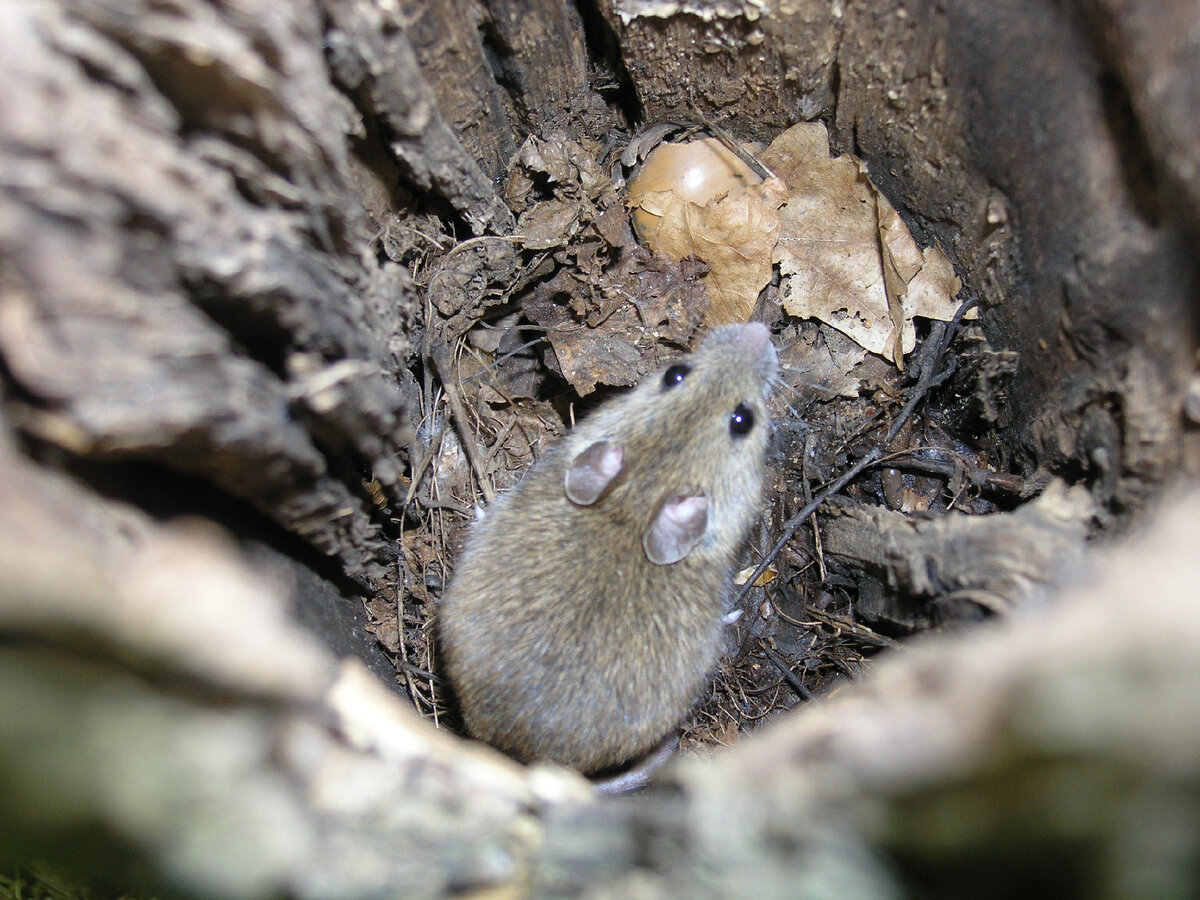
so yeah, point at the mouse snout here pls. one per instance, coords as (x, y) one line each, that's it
(755, 338)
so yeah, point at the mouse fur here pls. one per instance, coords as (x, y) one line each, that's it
(562, 639)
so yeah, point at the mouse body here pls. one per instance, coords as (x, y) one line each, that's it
(584, 616)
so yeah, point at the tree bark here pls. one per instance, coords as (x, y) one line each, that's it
(230, 237)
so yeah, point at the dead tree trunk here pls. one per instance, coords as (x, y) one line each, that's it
(242, 249)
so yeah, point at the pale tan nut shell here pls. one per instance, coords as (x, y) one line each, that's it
(699, 171)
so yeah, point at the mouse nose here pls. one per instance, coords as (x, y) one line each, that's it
(755, 337)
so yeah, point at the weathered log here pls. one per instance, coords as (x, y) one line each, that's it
(173, 297)
(223, 238)
(166, 724)
(944, 566)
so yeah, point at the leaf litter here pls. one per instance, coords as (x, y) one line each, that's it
(844, 255)
(573, 305)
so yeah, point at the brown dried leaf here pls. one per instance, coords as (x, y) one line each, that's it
(384, 624)
(845, 255)
(523, 428)
(549, 225)
(568, 165)
(612, 332)
(736, 236)
(824, 358)
(932, 290)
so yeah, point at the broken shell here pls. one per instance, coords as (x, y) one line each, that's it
(699, 171)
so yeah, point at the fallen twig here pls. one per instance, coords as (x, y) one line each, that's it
(929, 362)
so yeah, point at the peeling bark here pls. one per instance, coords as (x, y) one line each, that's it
(225, 270)
(171, 296)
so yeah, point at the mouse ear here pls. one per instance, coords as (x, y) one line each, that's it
(676, 529)
(592, 471)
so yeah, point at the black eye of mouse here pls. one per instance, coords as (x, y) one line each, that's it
(675, 375)
(741, 420)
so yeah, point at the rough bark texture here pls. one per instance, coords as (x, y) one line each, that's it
(1005, 130)
(217, 298)
(372, 57)
(184, 267)
(185, 749)
(998, 563)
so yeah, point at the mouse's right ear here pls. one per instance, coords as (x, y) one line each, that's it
(677, 527)
(593, 470)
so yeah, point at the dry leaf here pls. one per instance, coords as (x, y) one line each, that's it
(844, 253)
(846, 257)
(825, 359)
(764, 579)
(549, 225)
(618, 330)
(736, 236)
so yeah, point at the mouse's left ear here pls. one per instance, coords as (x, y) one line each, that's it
(593, 470)
(677, 528)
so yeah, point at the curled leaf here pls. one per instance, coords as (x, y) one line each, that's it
(846, 256)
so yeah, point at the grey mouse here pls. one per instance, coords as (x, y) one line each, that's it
(584, 617)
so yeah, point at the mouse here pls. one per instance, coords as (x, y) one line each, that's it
(584, 617)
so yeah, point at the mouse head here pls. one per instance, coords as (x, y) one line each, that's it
(682, 454)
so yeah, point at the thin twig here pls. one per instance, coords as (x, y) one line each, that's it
(948, 468)
(925, 382)
(781, 664)
(737, 149)
(440, 359)
(862, 632)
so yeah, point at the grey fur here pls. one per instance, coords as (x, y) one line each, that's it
(561, 639)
